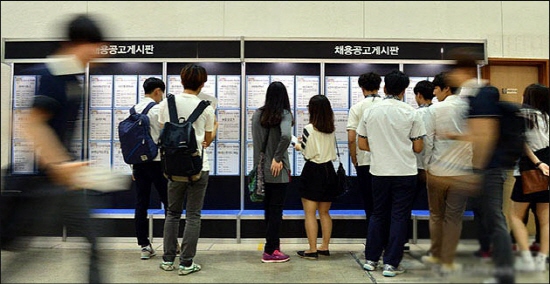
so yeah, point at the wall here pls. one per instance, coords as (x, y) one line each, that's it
(513, 29)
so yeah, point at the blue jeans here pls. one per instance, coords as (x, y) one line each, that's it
(177, 193)
(275, 194)
(393, 197)
(494, 222)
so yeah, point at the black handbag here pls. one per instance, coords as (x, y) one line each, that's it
(344, 184)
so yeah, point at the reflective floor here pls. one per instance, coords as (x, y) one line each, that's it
(51, 260)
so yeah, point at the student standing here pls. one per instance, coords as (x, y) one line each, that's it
(150, 173)
(392, 131)
(272, 125)
(318, 181)
(193, 78)
(369, 84)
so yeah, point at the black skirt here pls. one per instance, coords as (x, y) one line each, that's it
(318, 182)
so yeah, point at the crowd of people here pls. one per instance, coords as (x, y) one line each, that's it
(451, 150)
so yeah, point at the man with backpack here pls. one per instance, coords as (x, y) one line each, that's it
(497, 138)
(147, 173)
(188, 185)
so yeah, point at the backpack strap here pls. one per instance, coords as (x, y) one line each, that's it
(148, 107)
(198, 111)
(172, 108)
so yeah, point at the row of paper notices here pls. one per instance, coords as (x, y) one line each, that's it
(256, 88)
(174, 85)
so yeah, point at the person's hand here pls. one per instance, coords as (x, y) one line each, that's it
(276, 167)
(544, 168)
(64, 173)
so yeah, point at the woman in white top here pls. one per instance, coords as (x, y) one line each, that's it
(536, 98)
(318, 179)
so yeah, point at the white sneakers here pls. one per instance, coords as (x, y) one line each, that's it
(147, 252)
(526, 262)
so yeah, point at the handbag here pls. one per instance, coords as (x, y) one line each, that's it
(532, 179)
(344, 185)
(256, 181)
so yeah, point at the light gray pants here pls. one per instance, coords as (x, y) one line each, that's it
(177, 192)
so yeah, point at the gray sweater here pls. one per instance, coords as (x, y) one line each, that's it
(276, 148)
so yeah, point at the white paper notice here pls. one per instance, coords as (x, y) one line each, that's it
(101, 90)
(126, 89)
(20, 118)
(249, 113)
(100, 124)
(288, 81)
(24, 90)
(229, 90)
(23, 157)
(291, 152)
(141, 91)
(229, 124)
(119, 115)
(256, 87)
(337, 91)
(302, 119)
(228, 159)
(306, 87)
(76, 149)
(249, 157)
(174, 85)
(210, 86)
(210, 154)
(118, 160)
(300, 162)
(100, 154)
(344, 157)
(356, 93)
(340, 123)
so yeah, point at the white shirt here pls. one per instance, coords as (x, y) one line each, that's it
(318, 147)
(185, 104)
(537, 138)
(153, 115)
(442, 156)
(420, 156)
(389, 127)
(213, 103)
(354, 118)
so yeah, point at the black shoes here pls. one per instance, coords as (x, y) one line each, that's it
(308, 255)
(324, 252)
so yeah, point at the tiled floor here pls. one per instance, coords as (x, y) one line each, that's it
(50, 260)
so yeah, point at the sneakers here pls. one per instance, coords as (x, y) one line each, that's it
(276, 256)
(540, 262)
(185, 270)
(428, 259)
(450, 268)
(167, 266)
(391, 271)
(147, 252)
(370, 265)
(524, 262)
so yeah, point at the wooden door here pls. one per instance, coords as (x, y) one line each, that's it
(512, 80)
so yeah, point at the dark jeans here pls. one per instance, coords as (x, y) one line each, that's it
(146, 175)
(364, 183)
(389, 223)
(275, 194)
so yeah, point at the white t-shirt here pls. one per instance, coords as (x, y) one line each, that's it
(153, 115)
(389, 127)
(317, 146)
(420, 156)
(185, 104)
(442, 156)
(354, 118)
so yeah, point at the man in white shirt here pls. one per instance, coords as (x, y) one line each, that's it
(447, 162)
(392, 131)
(150, 173)
(369, 84)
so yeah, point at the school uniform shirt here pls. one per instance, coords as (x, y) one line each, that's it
(185, 105)
(537, 137)
(422, 110)
(389, 127)
(446, 157)
(354, 118)
(318, 147)
(153, 114)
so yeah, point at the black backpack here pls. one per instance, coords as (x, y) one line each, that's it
(180, 156)
(136, 142)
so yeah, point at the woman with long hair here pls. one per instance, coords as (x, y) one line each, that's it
(272, 125)
(536, 102)
(318, 180)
